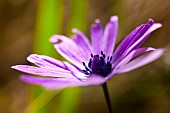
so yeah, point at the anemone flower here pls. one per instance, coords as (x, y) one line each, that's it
(92, 63)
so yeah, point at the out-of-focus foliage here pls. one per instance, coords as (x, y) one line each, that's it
(145, 90)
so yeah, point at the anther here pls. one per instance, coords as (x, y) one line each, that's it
(98, 65)
(84, 64)
(101, 52)
(86, 67)
(85, 72)
(89, 64)
(110, 58)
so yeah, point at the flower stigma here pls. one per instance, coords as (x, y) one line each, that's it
(98, 64)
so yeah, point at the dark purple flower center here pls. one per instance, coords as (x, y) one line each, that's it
(98, 64)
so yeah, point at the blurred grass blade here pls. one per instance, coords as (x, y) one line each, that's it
(48, 22)
(37, 104)
(70, 97)
(78, 15)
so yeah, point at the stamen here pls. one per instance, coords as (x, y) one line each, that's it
(110, 59)
(98, 65)
(84, 64)
(102, 60)
(89, 64)
(103, 54)
(86, 67)
(85, 72)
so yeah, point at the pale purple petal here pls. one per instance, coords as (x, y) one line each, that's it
(54, 64)
(80, 39)
(135, 39)
(58, 83)
(125, 43)
(44, 71)
(110, 75)
(110, 34)
(96, 36)
(132, 55)
(46, 62)
(141, 61)
(75, 71)
(50, 83)
(141, 40)
(94, 80)
(70, 50)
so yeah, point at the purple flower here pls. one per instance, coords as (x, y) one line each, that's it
(91, 63)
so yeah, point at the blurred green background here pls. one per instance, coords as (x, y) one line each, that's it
(25, 28)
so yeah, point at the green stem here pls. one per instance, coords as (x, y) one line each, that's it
(107, 97)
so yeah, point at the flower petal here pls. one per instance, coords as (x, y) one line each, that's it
(70, 50)
(125, 43)
(140, 61)
(50, 67)
(75, 71)
(135, 39)
(141, 40)
(46, 62)
(80, 39)
(96, 37)
(50, 83)
(132, 55)
(110, 34)
(44, 71)
(58, 83)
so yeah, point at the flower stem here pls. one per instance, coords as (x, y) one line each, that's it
(107, 97)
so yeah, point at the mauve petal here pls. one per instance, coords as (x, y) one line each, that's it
(139, 35)
(125, 43)
(132, 55)
(141, 61)
(110, 75)
(96, 36)
(46, 62)
(109, 37)
(94, 80)
(58, 83)
(50, 83)
(44, 71)
(141, 40)
(75, 71)
(80, 39)
(70, 50)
